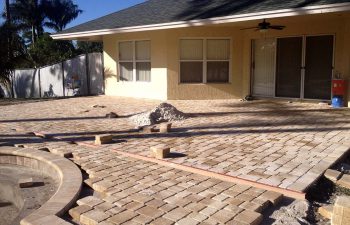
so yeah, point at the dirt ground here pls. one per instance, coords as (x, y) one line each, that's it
(10, 101)
(34, 197)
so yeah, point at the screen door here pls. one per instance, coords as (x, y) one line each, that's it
(318, 67)
(288, 67)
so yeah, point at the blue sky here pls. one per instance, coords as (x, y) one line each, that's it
(96, 8)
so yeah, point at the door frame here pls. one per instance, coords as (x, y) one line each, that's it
(302, 69)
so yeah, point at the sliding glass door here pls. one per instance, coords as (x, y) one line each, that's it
(289, 63)
(293, 67)
(318, 67)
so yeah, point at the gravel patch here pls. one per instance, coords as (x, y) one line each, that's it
(165, 112)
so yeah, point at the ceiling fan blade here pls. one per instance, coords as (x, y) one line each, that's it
(277, 27)
(249, 28)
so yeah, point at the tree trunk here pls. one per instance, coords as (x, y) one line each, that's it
(9, 30)
(7, 11)
(33, 35)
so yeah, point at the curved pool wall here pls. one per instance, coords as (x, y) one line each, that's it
(62, 170)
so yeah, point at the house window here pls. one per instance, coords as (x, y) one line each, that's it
(135, 61)
(204, 60)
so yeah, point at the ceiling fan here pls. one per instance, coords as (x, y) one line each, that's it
(264, 26)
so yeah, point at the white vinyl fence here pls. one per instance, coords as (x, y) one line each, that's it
(81, 76)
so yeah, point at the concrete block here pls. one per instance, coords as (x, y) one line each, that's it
(160, 152)
(25, 182)
(165, 127)
(332, 175)
(103, 139)
(344, 181)
(326, 211)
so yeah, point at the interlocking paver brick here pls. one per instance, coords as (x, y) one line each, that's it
(177, 214)
(122, 217)
(249, 217)
(90, 201)
(77, 211)
(93, 217)
(268, 142)
(344, 181)
(150, 212)
(187, 221)
(162, 221)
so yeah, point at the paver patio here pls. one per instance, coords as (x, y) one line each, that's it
(287, 145)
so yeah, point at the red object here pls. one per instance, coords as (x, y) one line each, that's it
(339, 87)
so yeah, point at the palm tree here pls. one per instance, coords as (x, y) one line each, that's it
(7, 64)
(30, 15)
(60, 13)
(7, 11)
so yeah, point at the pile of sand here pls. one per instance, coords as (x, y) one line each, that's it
(295, 213)
(165, 112)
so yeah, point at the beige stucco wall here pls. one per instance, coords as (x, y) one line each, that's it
(157, 88)
(165, 56)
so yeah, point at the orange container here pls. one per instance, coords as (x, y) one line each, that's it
(339, 87)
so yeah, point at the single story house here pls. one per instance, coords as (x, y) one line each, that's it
(223, 49)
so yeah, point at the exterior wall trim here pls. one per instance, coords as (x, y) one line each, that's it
(320, 9)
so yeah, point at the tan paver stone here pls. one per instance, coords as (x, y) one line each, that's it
(90, 201)
(165, 127)
(198, 216)
(341, 211)
(271, 196)
(142, 219)
(115, 210)
(249, 217)
(177, 214)
(93, 217)
(77, 211)
(223, 216)
(208, 211)
(150, 212)
(326, 211)
(122, 217)
(104, 206)
(105, 223)
(156, 203)
(103, 139)
(332, 175)
(160, 152)
(133, 206)
(187, 221)
(252, 206)
(162, 221)
(344, 181)
(102, 186)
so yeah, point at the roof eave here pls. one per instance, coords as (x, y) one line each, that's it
(320, 9)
